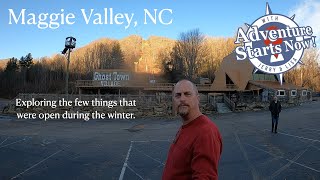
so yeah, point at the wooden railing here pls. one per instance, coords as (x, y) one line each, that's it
(91, 83)
(229, 103)
(146, 86)
(204, 87)
(84, 83)
(231, 86)
(159, 86)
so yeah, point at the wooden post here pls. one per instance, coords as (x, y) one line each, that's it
(119, 93)
(80, 93)
(174, 112)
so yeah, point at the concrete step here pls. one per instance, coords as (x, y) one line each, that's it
(223, 108)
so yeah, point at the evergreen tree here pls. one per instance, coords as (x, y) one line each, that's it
(117, 59)
(26, 61)
(12, 65)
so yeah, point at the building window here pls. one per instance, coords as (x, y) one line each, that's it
(293, 92)
(229, 83)
(228, 80)
(281, 93)
(304, 92)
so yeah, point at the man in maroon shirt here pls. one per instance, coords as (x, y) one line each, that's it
(197, 147)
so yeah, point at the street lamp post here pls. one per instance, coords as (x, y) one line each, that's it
(70, 43)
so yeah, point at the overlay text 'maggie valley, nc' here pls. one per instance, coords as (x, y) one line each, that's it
(103, 16)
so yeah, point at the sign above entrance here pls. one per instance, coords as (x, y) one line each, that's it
(111, 78)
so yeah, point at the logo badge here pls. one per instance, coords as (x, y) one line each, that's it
(274, 43)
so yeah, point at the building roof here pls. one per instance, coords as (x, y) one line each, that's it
(275, 85)
(240, 72)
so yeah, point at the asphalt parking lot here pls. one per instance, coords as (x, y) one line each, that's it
(137, 149)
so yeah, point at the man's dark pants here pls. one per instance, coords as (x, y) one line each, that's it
(275, 120)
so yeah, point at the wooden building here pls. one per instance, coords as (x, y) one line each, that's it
(238, 77)
(232, 77)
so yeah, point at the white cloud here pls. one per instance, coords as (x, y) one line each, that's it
(308, 14)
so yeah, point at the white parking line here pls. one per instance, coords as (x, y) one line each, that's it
(316, 147)
(36, 164)
(125, 164)
(4, 140)
(300, 137)
(312, 129)
(13, 143)
(147, 141)
(275, 174)
(283, 158)
(149, 156)
(135, 172)
(253, 170)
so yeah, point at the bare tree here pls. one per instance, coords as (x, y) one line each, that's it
(308, 74)
(186, 53)
(310, 70)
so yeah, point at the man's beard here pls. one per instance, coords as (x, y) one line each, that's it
(183, 110)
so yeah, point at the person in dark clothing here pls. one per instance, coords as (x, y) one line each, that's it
(275, 109)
